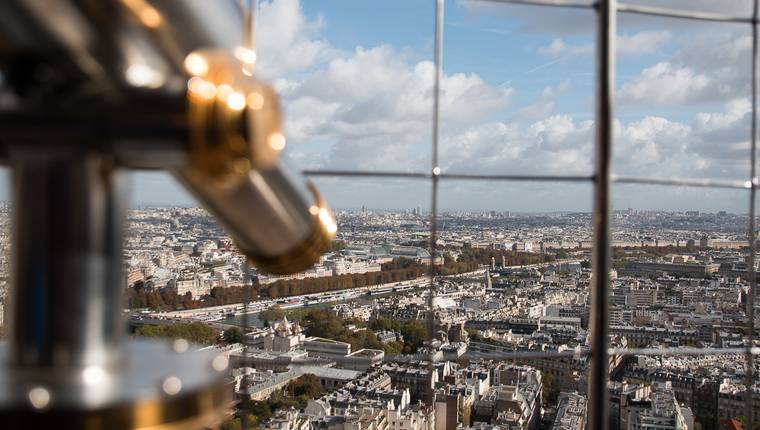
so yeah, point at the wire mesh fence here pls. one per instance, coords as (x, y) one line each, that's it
(598, 354)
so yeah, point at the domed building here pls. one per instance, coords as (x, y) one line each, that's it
(282, 336)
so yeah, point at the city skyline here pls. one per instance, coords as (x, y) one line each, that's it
(447, 211)
(161, 190)
(496, 195)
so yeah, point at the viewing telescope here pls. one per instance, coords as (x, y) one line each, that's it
(88, 89)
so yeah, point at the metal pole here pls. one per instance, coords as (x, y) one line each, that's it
(605, 67)
(750, 307)
(67, 290)
(435, 172)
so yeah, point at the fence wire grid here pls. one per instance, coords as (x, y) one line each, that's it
(602, 178)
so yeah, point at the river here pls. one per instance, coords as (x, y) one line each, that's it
(255, 322)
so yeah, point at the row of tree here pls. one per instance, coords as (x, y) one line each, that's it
(512, 258)
(295, 287)
(168, 300)
(195, 332)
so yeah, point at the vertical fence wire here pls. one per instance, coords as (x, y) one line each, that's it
(435, 171)
(605, 73)
(250, 10)
(750, 306)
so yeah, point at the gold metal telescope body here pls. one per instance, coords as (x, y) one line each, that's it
(88, 89)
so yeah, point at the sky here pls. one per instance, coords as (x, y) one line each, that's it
(355, 81)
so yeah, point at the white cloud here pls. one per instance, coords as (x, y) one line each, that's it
(707, 69)
(366, 108)
(377, 108)
(712, 145)
(542, 107)
(555, 144)
(377, 82)
(724, 136)
(559, 48)
(372, 108)
(285, 40)
(642, 147)
(736, 110)
(559, 132)
(535, 140)
(466, 97)
(644, 42)
(716, 51)
(665, 83)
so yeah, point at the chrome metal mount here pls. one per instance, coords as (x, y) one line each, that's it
(159, 386)
(67, 364)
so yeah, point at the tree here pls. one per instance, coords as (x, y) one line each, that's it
(393, 348)
(306, 385)
(551, 391)
(447, 258)
(474, 335)
(217, 292)
(325, 324)
(337, 245)
(262, 410)
(297, 315)
(232, 424)
(195, 332)
(272, 314)
(414, 335)
(232, 335)
(398, 263)
(384, 324)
